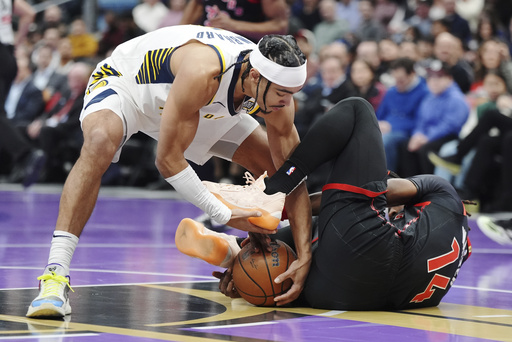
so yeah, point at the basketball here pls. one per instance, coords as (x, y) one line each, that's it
(254, 273)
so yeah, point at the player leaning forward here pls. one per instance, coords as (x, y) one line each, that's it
(193, 89)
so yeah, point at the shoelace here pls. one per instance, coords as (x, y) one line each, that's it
(52, 283)
(249, 181)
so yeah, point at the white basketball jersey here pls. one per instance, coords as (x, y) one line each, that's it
(144, 65)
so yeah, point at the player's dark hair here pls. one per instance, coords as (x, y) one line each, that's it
(278, 48)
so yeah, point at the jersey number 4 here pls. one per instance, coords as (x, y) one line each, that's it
(438, 280)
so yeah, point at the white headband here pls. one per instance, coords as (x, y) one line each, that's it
(278, 74)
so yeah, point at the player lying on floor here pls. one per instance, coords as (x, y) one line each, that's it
(361, 260)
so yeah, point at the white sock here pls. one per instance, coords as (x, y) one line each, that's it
(62, 249)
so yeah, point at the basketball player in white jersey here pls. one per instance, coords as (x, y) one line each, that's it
(193, 89)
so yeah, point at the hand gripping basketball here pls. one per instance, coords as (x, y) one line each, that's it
(254, 272)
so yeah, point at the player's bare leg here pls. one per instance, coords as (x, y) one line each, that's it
(103, 133)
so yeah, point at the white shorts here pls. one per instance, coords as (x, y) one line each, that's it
(116, 97)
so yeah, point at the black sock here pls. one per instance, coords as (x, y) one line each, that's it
(286, 178)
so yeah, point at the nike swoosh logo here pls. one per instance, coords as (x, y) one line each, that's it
(220, 103)
(69, 237)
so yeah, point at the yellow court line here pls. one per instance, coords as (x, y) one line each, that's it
(458, 322)
(111, 330)
(11, 332)
(447, 318)
(235, 308)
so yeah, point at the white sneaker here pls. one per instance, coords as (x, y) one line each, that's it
(251, 197)
(195, 240)
(53, 299)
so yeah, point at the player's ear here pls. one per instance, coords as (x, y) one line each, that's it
(254, 75)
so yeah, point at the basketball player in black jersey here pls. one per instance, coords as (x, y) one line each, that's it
(363, 260)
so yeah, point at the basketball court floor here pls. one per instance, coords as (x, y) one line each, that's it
(131, 284)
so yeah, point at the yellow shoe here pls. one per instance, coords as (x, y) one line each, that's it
(53, 299)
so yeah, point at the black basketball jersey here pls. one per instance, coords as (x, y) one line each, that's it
(434, 231)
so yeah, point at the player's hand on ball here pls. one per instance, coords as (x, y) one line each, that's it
(297, 272)
(226, 284)
(240, 220)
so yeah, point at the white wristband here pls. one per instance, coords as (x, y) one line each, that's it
(188, 184)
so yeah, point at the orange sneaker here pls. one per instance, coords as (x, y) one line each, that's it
(251, 197)
(195, 240)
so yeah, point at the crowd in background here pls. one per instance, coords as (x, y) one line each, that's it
(437, 72)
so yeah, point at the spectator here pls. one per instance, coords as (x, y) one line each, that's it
(385, 11)
(492, 55)
(66, 56)
(174, 13)
(448, 49)
(480, 178)
(45, 77)
(57, 132)
(399, 108)
(25, 101)
(369, 51)
(458, 26)
(494, 87)
(437, 10)
(119, 28)
(83, 43)
(349, 10)
(330, 28)
(53, 17)
(426, 47)
(426, 54)
(369, 28)
(149, 14)
(26, 160)
(250, 19)
(441, 116)
(410, 50)
(364, 80)
(487, 28)
(333, 88)
(308, 15)
(388, 52)
(336, 49)
(421, 19)
(51, 38)
(470, 11)
(439, 26)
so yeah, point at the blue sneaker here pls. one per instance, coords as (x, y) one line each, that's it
(53, 299)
